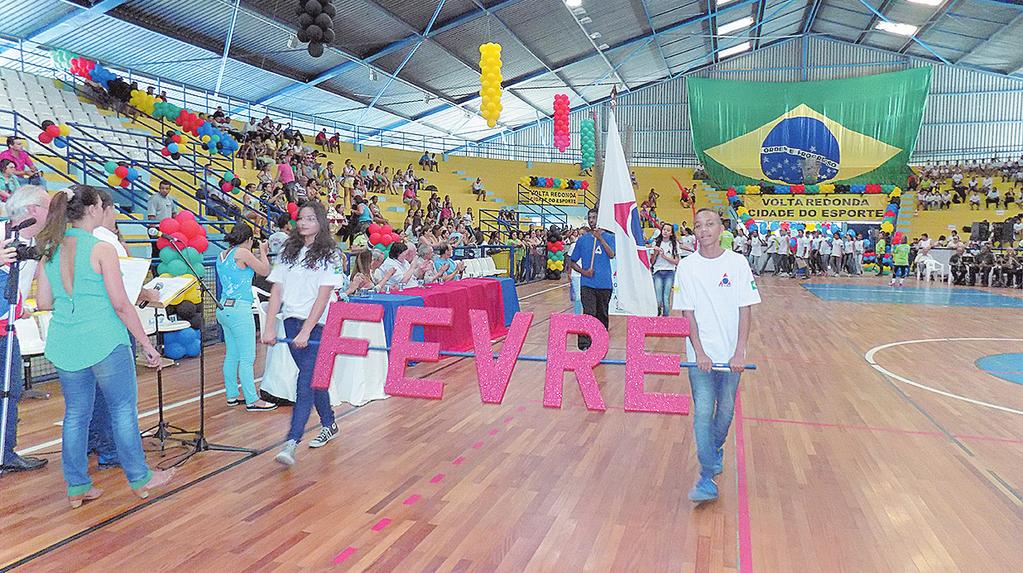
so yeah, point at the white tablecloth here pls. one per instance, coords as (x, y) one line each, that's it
(356, 380)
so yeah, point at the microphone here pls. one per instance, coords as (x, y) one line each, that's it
(145, 303)
(156, 234)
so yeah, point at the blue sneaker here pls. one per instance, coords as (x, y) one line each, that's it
(720, 463)
(704, 490)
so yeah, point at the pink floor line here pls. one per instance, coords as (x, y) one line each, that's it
(344, 555)
(813, 424)
(458, 461)
(437, 478)
(411, 499)
(493, 432)
(381, 524)
(477, 445)
(745, 539)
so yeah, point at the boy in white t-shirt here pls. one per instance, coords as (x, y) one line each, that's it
(837, 254)
(715, 291)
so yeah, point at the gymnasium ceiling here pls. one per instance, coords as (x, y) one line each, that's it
(412, 65)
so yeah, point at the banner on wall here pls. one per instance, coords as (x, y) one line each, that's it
(561, 197)
(849, 130)
(816, 207)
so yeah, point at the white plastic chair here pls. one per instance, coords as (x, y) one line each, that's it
(928, 268)
(473, 268)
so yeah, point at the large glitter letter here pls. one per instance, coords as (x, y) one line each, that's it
(560, 360)
(404, 350)
(493, 375)
(332, 343)
(639, 362)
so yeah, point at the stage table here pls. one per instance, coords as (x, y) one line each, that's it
(391, 303)
(511, 298)
(462, 296)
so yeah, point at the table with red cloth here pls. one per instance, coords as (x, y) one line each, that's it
(462, 296)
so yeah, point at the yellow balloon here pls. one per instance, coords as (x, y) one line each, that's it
(65, 130)
(113, 180)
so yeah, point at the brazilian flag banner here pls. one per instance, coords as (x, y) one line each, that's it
(855, 130)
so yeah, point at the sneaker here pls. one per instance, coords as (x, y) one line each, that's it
(703, 490)
(719, 464)
(287, 453)
(260, 407)
(326, 434)
(234, 401)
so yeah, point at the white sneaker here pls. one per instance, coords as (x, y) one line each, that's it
(326, 435)
(287, 453)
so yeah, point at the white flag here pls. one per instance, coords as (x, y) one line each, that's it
(633, 283)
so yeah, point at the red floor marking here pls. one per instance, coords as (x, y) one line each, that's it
(493, 432)
(411, 499)
(381, 524)
(745, 538)
(458, 460)
(477, 445)
(813, 424)
(344, 555)
(437, 478)
(509, 419)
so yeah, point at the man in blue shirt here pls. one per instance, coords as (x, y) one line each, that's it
(591, 258)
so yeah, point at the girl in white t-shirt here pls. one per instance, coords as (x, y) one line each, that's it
(308, 270)
(666, 257)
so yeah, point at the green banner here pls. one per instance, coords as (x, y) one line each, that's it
(855, 130)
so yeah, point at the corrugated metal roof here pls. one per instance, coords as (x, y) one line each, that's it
(21, 17)
(550, 28)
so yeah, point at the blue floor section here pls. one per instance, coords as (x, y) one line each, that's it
(1005, 366)
(935, 296)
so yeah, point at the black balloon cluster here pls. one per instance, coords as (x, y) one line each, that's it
(315, 24)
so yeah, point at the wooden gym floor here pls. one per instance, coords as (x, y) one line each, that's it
(843, 465)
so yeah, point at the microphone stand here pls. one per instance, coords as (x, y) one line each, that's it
(200, 444)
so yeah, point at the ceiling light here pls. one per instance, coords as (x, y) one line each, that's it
(721, 3)
(897, 28)
(735, 25)
(372, 75)
(743, 47)
(928, 2)
(594, 35)
(603, 47)
(573, 3)
(585, 20)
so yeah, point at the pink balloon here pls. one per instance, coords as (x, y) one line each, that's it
(199, 243)
(168, 226)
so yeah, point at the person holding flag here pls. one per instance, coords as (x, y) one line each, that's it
(716, 291)
(591, 258)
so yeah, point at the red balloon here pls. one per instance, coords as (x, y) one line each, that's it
(586, 185)
(121, 170)
(161, 243)
(53, 130)
(182, 239)
(730, 192)
(45, 138)
(190, 229)
(199, 243)
(125, 183)
(374, 228)
(176, 138)
(374, 238)
(183, 216)
(395, 237)
(227, 186)
(165, 152)
(386, 230)
(386, 240)
(168, 226)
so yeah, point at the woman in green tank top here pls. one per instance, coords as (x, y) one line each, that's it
(87, 341)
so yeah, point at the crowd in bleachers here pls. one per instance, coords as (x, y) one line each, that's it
(943, 184)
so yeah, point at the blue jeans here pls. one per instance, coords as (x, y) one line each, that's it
(11, 436)
(101, 433)
(663, 281)
(305, 396)
(713, 408)
(239, 350)
(115, 377)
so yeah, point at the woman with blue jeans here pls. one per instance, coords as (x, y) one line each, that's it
(307, 271)
(666, 257)
(236, 268)
(82, 284)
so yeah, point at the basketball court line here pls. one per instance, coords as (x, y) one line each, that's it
(869, 356)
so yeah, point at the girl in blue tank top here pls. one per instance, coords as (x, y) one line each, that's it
(235, 269)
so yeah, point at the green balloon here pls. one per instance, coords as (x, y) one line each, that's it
(169, 255)
(110, 167)
(162, 269)
(177, 268)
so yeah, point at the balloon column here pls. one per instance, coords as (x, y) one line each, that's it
(555, 258)
(741, 211)
(54, 133)
(891, 212)
(190, 237)
(382, 237)
(562, 136)
(587, 143)
(120, 174)
(315, 24)
(490, 82)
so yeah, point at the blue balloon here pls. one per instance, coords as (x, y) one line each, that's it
(60, 142)
(792, 242)
(866, 244)
(173, 147)
(775, 225)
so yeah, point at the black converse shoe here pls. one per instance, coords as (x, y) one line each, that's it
(326, 434)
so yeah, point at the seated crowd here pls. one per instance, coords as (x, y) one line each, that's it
(940, 185)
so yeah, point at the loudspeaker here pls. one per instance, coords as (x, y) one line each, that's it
(979, 231)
